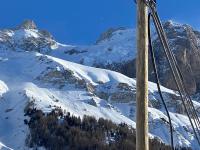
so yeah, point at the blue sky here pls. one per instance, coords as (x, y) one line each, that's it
(81, 21)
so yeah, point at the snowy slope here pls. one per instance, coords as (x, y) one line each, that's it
(117, 48)
(20, 74)
(34, 72)
(3, 147)
(3, 88)
(47, 82)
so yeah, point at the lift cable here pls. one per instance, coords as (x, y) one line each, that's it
(176, 72)
(180, 74)
(157, 79)
(188, 104)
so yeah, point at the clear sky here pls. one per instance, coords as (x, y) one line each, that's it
(81, 21)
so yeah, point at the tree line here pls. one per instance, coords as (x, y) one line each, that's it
(56, 131)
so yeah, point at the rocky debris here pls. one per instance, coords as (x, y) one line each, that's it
(125, 87)
(58, 77)
(123, 97)
(124, 94)
(120, 93)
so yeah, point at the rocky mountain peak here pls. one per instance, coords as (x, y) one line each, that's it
(47, 81)
(27, 37)
(171, 23)
(27, 24)
(108, 34)
(184, 41)
(171, 26)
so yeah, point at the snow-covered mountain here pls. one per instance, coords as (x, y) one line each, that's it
(115, 50)
(34, 72)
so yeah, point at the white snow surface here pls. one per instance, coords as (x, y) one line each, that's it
(119, 48)
(19, 74)
(3, 88)
(24, 79)
(3, 147)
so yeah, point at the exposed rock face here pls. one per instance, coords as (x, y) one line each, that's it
(127, 68)
(27, 37)
(50, 82)
(115, 50)
(28, 24)
(60, 77)
(185, 44)
(123, 93)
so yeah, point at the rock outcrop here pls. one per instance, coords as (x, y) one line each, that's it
(185, 43)
(27, 37)
(27, 24)
(116, 50)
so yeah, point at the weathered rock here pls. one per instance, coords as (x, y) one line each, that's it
(27, 24)
(185, 43)
(27, 37)
(123, 93)
(46, 34)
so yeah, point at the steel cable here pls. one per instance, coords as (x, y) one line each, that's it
(175, 71)
(157, 79)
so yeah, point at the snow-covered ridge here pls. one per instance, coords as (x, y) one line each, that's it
(118, 47)
(46, 82)
(114, 47)
(46, 75)
(27, 37)
(175, 24)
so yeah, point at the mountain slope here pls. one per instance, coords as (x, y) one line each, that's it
(116, 50)
(45, 82)
(35, 74)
